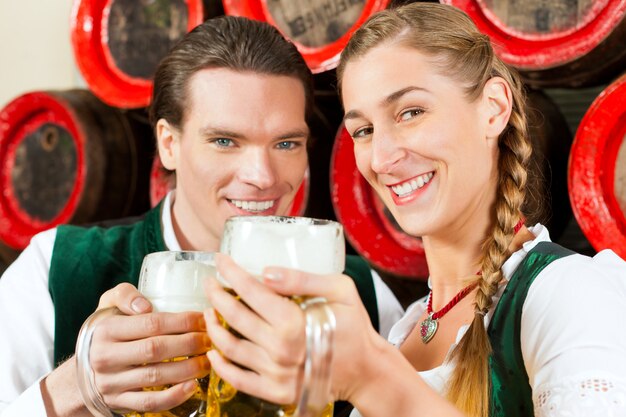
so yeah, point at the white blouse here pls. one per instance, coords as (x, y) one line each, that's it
(573, 334)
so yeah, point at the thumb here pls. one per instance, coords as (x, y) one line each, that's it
(126, 298)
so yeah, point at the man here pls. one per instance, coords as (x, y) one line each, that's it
(229, 111)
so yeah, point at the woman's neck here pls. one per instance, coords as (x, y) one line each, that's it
(454, 262)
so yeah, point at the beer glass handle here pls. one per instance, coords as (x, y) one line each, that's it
(320, 330)
(84, 373)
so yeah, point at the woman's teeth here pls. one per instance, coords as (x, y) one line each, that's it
(253, 205)
(410, 186)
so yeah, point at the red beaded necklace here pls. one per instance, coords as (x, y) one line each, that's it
(428, 327)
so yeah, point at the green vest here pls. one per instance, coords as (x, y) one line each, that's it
(511, 395)
(86, 262)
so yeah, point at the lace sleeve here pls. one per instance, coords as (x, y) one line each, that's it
(582, 397)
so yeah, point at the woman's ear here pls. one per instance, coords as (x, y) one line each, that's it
(499, 103)
(168, 140)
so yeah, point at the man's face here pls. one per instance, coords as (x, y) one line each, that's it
(241, 151)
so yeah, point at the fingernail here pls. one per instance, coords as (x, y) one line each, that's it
(140, 305)
(190, 386)
(272, 275)
(212, 355)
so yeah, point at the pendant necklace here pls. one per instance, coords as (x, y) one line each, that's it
(428, 327)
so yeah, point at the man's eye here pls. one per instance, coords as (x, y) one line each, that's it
(409, 114)
(223, 142)
(287, 144)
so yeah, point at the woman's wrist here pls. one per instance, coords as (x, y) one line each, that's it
(389, 385)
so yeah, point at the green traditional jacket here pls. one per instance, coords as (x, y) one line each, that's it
(86, 262)
(511, 394)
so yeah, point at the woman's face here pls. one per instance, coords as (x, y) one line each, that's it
(429, 152)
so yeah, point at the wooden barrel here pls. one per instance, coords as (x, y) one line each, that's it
(66, 157)
(162, 181)
(118, 44)
(597, 170)
(373, 232)
(319, 28)
(555, 43)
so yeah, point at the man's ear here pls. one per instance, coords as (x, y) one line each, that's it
(168, 142)
(499, 103)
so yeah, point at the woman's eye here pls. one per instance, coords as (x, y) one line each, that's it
(409, 114)
(362, 132)
(223, 142)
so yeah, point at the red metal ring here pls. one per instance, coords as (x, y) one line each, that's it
(89, 41)
(532, 52)
(18, 119)
(366, 226)
(159, 187)
(319, 59)
(591, 176)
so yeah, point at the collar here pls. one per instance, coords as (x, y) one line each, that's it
(169, 237)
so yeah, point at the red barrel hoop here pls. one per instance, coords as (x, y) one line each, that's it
(369, 228)
(307, 25)
(552, 43)
(161, 183)
(66, 157)
(116, 56)
(597, 170)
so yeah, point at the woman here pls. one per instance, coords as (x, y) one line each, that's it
(514, 325)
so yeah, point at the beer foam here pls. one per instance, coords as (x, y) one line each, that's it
(297, 244)
(176, 285)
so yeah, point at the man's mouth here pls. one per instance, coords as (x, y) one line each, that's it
(413, 184)
(253, 206)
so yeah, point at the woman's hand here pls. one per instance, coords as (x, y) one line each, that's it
(128, 350)
(271, 356)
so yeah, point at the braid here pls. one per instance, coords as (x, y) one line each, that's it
(470, 383)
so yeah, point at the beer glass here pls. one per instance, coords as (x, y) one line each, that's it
(173, 282)
(310, 245)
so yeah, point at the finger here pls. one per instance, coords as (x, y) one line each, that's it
(127, 328)
(127, 298)
(252, 383)
(282, 340)
(335, 288)
(235, 313)
(271, 307)
(104, 358)
(154, 375)
(153, 401)
(277, 363)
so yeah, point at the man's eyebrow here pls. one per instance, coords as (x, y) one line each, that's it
(297, 133)
(218, 131)
(390, 99)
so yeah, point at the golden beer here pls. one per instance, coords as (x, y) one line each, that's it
(173, 282)
(255, 242)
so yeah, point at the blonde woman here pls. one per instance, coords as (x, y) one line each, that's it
(514, 325)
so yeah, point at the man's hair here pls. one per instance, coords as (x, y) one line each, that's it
(235, 43)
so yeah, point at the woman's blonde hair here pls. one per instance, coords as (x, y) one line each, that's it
(450, 38)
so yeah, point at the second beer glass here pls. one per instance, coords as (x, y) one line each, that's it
(173, 282)
(310, 245)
